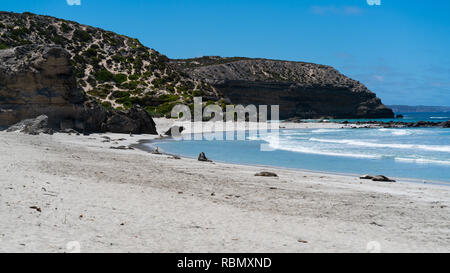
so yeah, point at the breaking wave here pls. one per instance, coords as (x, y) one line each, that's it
(434, 148)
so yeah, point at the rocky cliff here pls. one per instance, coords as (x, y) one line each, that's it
(118, 73)
(39, 79)
(115, 70)
(302, 90)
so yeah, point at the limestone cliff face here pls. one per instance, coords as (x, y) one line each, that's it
(39, 79)
(302, 90)
(116, 70)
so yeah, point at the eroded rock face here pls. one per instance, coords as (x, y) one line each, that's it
(136, 121)
(39, 80)
(302, 90)
(36, 80)
(32, 126)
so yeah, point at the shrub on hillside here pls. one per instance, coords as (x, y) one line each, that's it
(91, 52)
(3, 46)
(120, 94)
(65, 28)
(107, 105)
(104, 76)
(120, 78)
(168, 98)
(134, 77)
(81, 35)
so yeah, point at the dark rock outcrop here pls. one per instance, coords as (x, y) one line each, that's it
(302, 90)
(294, 120)
(398, 124)
(34, 126)
(424, 124)
(39, 80)
(446, 124)
(136, 121)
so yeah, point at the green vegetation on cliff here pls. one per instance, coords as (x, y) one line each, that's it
(119, 72)
(114, 69)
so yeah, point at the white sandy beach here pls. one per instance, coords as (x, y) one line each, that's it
(132, 201)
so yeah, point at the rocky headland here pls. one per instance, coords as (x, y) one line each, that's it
(90, 79)
(303, 90)
(400, 124)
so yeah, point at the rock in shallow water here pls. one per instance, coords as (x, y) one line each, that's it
(202, 157)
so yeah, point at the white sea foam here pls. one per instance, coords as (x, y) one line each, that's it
(403, 132)
(343, 147)
(305, 150)
(397, 132)
(301, 149)
(295, 146)
(320, 131)
(435, 148)
(422, 161)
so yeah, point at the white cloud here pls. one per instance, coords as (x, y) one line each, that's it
(379, 78)
(74, 2)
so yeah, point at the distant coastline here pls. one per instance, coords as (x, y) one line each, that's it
(418, 109)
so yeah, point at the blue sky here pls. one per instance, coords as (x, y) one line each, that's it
(399, 49)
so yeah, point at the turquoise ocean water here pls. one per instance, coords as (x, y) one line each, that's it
(416, 153)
